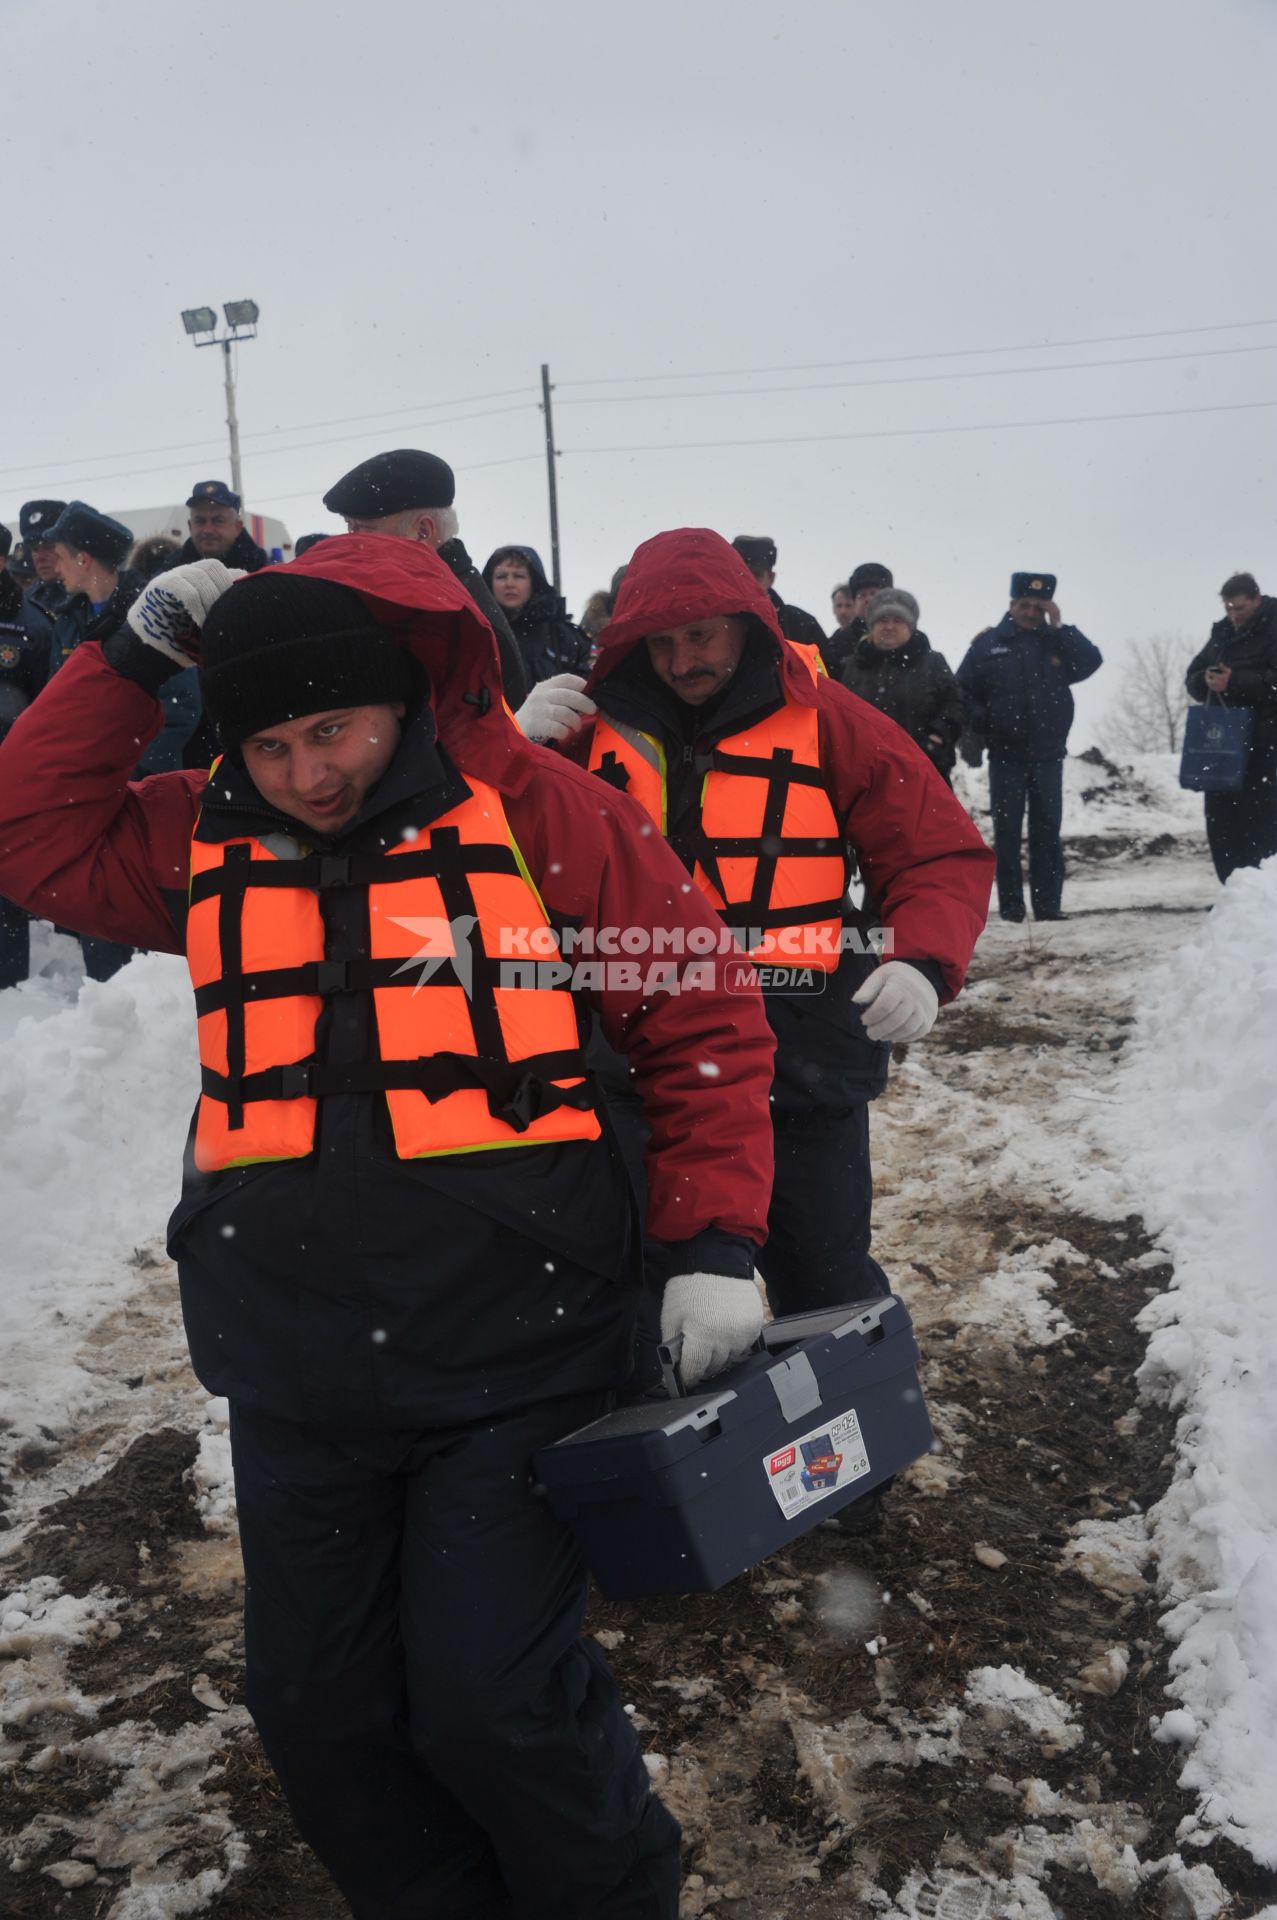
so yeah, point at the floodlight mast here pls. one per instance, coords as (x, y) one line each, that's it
(241, 321)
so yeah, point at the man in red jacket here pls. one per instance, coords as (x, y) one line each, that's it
(404, 1242)
(776, 786)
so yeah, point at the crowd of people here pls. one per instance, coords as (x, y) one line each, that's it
(442, 1200)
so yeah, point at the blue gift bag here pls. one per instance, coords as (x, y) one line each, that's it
(1216, 746)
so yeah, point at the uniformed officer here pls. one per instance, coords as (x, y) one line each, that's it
(217, 531)
(35, 517)
(1017, 678)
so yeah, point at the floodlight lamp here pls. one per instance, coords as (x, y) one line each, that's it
(241, 313)
(199, 319)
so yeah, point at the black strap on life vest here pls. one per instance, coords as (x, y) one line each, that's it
(518, 1092)
(770, 844)
(613, 770)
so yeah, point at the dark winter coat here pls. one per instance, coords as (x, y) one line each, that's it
(516, 682)
(1251, 652)
(74, 620)
(1017, 686)
(547, 639)
(23, 665)
(914, 686)
(39, 605)
(840, 646)
(243, 553)
(355, 1286)
(796, 623)
(927, 872)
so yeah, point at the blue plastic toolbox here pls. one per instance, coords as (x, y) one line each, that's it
(679, 1496)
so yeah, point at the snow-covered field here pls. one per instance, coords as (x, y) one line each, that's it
(1123, 1063)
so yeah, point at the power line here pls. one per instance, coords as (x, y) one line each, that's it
(905, 433)
(302, 446)
(476, 466)
(902, 359)
(307, 426)
(395, 413)
(914, 379)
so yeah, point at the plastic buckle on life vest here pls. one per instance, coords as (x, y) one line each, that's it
(294, 1082)
(334, 870)
(523, 1104)
(332, 976)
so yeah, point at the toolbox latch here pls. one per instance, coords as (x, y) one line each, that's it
(796, 1386)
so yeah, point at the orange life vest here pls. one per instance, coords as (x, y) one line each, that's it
(770, 853)
(466, 1059)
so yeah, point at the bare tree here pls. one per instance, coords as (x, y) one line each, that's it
(1148, 714)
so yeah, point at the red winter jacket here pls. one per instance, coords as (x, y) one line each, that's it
(82, 844)
(924, 863)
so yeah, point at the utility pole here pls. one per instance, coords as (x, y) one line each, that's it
(237, 478)
(241, 321)
(550, 457)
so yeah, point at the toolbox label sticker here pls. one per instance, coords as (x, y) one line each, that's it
(817, 1464)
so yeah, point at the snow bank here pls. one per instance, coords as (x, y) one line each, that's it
(96, 1096)
(1197, 1127)
(1137, 797)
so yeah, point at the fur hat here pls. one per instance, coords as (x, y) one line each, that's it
(277, 646)
(88, 531)
(892, 603)
(1033, 586)
(870, 573)
(35, 517)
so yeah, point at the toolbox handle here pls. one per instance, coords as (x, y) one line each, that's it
(670, 1355)
(862, 1317)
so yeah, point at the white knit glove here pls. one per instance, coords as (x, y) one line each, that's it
(169, 614)
(719, 1317)
(900, 1003)
(556, 708)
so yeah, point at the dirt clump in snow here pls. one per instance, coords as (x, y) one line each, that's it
(99, 1535)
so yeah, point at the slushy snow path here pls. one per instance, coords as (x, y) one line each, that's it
(1036, 1093)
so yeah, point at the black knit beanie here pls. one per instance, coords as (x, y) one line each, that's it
(276, 647)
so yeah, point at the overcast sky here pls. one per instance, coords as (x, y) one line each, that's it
(428, 201)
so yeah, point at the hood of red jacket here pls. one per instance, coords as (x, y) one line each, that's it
(409, 589)
(691, 573)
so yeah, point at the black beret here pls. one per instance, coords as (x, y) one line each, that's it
(6, 540)
(213, 493)
(393, 483)
(757, 551)
(1033, 586)
(870, 573)
(35, 517)
(89, 531)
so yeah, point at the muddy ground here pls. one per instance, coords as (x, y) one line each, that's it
(835, 1729)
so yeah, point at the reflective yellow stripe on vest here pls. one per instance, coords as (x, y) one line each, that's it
(468, 1059)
